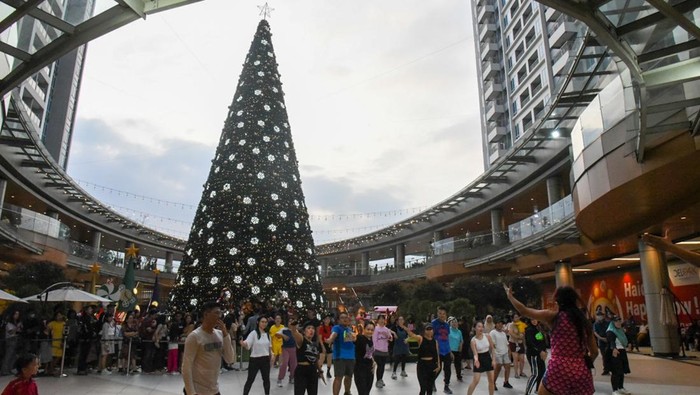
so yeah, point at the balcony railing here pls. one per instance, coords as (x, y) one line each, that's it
(22, 218)
(542, 220)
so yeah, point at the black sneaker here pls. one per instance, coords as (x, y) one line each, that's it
(494, 387)
(448, 390)
(507, 385)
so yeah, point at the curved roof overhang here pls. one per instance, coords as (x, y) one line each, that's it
(24, 159)
(66, 35)
(651, 37)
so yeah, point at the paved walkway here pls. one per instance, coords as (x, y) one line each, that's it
(649, 376)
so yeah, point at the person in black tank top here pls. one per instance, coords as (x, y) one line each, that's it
(428, 366)
(310, 356)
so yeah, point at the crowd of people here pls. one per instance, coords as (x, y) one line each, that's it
(558, 345)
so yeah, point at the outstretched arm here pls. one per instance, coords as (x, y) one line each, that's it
(546, 316)
(663, 244)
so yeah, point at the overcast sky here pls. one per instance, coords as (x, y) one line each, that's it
(381, 97)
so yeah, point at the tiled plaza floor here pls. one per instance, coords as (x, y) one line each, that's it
(649, 376)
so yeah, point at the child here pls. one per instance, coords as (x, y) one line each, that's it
(27, 367)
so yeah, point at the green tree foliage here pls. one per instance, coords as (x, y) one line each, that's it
(460, 307)
(484, 293)
(527, 291)
(431, 290)
(388, 294)
(32, 278)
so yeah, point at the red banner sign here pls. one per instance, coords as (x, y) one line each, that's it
(622, 293)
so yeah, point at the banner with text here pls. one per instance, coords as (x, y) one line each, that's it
(622, 293)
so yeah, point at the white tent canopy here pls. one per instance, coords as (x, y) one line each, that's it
(67, 294)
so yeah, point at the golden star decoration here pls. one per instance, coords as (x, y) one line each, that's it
(132, 251)
(156, 271)
(95, 268)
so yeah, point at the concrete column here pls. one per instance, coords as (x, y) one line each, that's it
(354, 270)
(96, 241)
(364, 269)
(665, 340)
(563, 275)
(497, 226)
(437, 235)
(3, 189)
(400, 256)
(324, 267)
(554, 190)
(168, 262)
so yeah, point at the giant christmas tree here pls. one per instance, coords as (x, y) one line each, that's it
(251, 231)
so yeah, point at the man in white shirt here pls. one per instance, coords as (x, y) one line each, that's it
(500, 345)
(204, 348)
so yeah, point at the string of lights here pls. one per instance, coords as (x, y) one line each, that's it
(149, 199)
(313, 217)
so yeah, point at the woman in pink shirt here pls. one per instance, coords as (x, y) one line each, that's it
(381, 338)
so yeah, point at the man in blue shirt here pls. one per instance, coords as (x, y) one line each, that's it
(343, 339)
(442, 335)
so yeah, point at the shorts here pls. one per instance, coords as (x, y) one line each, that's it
(343, 367)
(502, 359)
(485, 364)
(516, 347)
(512, 347)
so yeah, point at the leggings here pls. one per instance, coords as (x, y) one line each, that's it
(305, 380)
(256, 364)
(457, 362)
(363, 378)
(426, 376)
(381, 362)
(400, 358)
(538, 368)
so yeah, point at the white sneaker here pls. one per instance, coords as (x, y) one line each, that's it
(403, 373)
(393, 375)
(279, 383)
(624, 391)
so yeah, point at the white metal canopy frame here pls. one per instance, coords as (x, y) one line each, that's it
(65, 35)
(658, 41)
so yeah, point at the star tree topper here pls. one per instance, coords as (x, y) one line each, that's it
(132, 251)
(265, 11)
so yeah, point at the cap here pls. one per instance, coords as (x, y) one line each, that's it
(428, 326)
(617, 318)
(452, 318)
